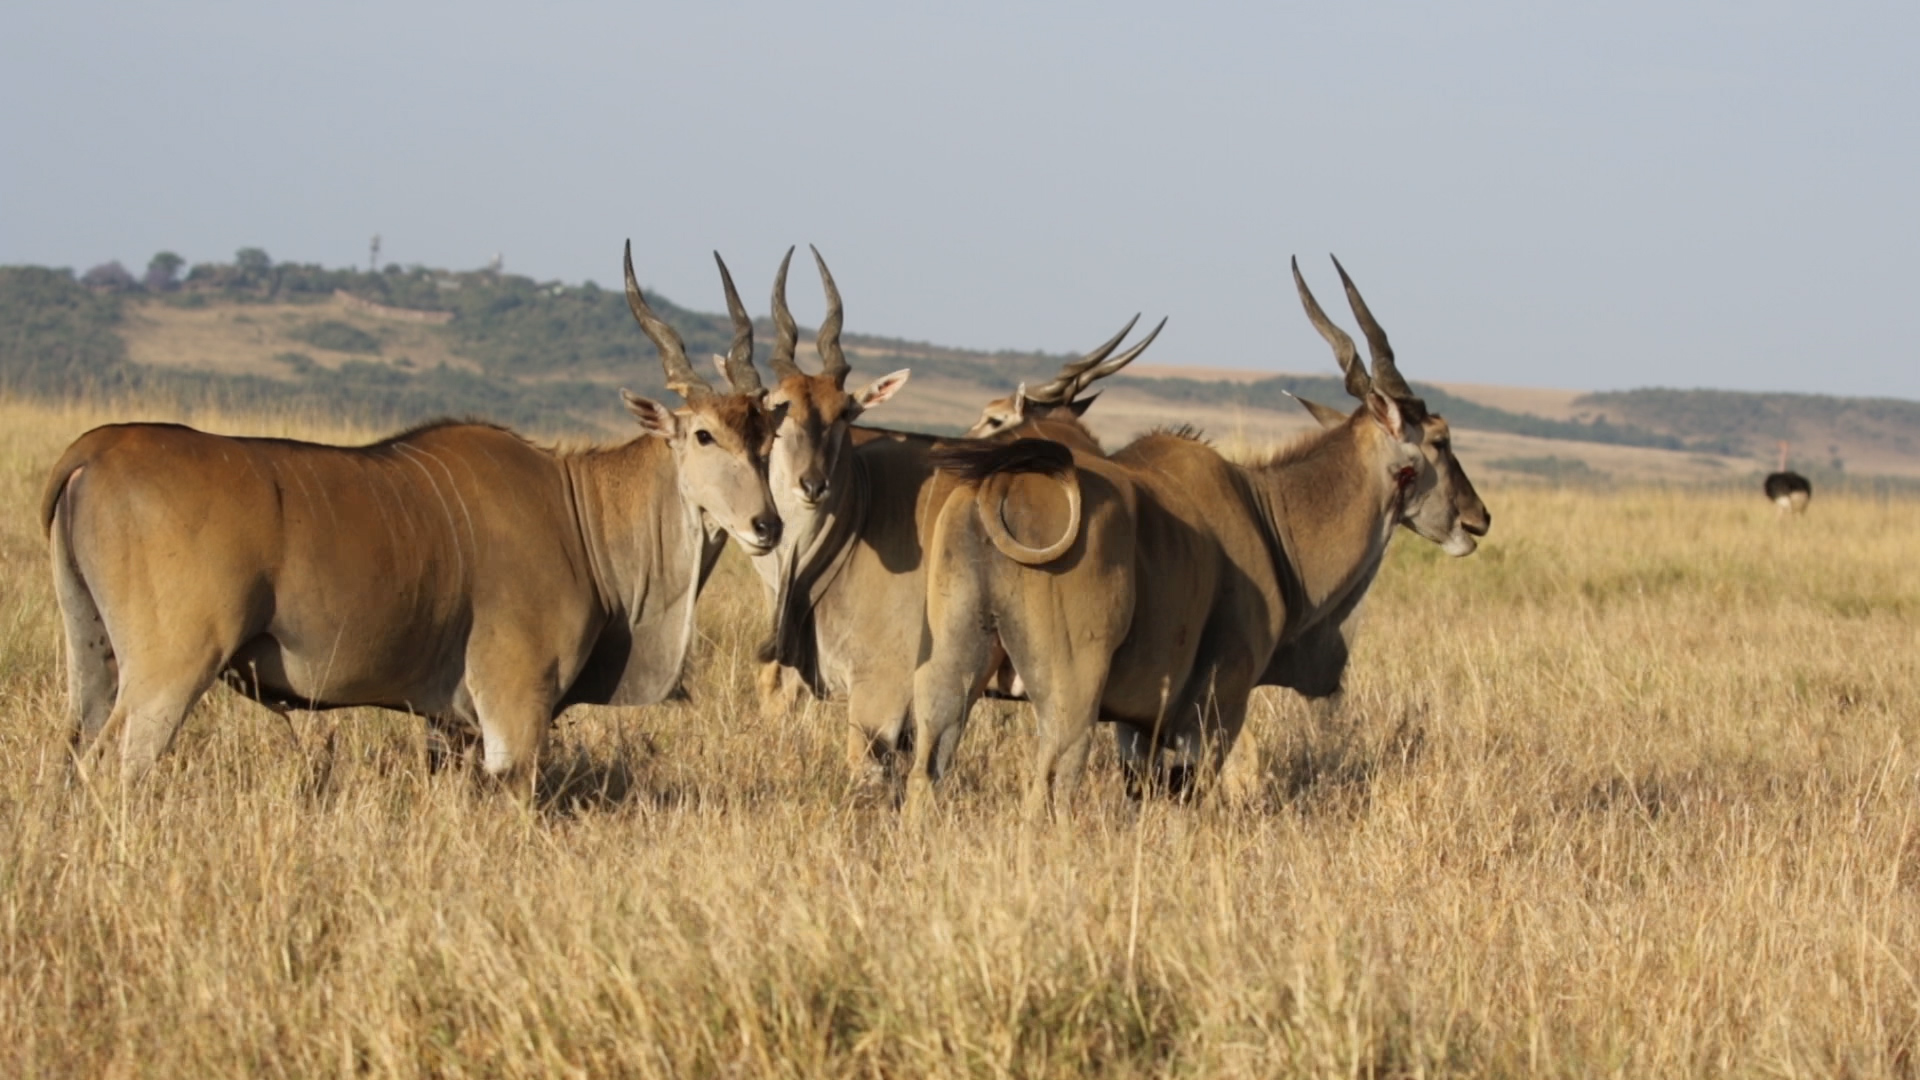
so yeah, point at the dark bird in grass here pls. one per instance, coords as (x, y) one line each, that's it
(1787, 489)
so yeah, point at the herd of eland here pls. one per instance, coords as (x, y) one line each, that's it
(462, 574)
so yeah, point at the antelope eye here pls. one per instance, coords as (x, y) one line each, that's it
(703, 437)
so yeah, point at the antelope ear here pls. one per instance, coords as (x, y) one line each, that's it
(1020, 401)
(1385, 412)
(1328, 416)
(881, 389)
(1079, 405)
(655, 418)
(720, 365)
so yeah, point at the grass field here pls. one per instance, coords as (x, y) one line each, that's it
(1632, 791)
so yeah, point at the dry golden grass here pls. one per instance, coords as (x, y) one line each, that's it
(1632, 791)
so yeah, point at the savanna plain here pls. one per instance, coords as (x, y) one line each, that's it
(1631, 791)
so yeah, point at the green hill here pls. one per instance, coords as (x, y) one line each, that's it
(1732, 422)
(547, 355)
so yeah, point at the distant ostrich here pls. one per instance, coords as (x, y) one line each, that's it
(1788, 490)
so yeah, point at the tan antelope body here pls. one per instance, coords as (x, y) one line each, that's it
(848, 587)
(455, 570)
(1156, 588)
(808, 473)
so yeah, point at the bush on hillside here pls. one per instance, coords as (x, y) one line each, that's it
(111, 277)
(57, 337)
(336, 335)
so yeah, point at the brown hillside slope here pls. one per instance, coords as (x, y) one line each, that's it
(268, 340)
(233, 339)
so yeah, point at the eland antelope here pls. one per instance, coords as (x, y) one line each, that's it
(1060, 397)
(814, 434)
(848, 587)
(1157, 587)
(454, 570)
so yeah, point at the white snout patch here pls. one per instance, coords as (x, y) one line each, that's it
(751, 545)
(1459, 542)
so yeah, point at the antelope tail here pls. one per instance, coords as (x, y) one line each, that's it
(70, 464)
(994, 467)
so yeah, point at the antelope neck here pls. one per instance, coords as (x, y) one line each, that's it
(1330, 515)
(629, 513)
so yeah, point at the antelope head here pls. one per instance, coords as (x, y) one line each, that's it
(1060, 399)
(720, 441)
(1413, 447)
(812, 412)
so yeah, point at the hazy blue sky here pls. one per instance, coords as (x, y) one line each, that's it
(1601, 195)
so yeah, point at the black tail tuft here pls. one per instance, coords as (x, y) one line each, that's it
(974, 462)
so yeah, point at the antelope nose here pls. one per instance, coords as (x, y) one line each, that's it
(1478, 526)
(813, 488)
(766, 529)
